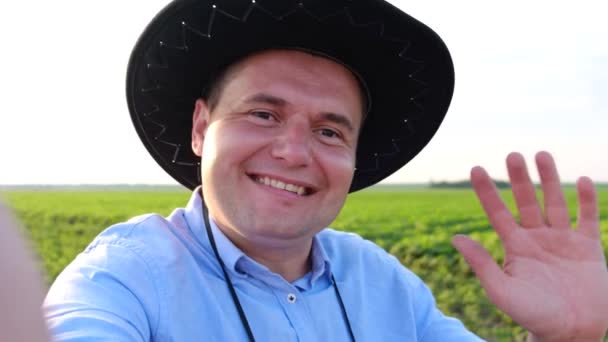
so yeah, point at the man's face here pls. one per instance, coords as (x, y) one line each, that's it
(278, 150)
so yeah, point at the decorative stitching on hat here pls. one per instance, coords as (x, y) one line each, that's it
(375, 27)
(377, 156)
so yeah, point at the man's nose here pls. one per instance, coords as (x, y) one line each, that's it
(293, 145)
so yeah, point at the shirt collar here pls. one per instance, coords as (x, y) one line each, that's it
(320, 261)
(237, 262)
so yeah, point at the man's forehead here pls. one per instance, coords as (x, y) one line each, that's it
(273, 59)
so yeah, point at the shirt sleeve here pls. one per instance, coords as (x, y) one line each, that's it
(107, 293)
(432, 324)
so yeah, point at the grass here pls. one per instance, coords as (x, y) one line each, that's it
(413, 224)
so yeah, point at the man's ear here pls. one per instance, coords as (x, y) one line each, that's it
(200, 122)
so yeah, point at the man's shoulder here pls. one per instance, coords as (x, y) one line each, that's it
(151, 232)
(138, 228)
(330, 237)
(353, 256)
(346, 246)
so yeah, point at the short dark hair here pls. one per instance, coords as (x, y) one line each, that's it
(213, 91)
(214, 88)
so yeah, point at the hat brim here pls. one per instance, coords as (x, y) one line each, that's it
(405, 66)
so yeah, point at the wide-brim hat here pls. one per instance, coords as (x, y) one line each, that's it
(404, 67)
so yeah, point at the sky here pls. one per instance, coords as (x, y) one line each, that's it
(530, 76)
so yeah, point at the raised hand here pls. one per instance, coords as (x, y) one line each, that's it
(554, 281)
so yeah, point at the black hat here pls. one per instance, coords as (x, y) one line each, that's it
(402, 64)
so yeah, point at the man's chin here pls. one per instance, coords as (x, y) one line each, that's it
(281, 231)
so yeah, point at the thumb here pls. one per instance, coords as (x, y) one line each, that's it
(21, 289)
(490, 275)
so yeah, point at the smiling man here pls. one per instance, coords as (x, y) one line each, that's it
(302, 103)
(278, 153)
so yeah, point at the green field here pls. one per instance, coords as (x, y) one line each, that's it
(415, 225)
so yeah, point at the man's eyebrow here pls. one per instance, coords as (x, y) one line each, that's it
(266, 98)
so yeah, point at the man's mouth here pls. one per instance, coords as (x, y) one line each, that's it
(281, 185)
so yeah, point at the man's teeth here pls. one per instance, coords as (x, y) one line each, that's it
(300, 190)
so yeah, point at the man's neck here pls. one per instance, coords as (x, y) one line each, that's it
(289, 260)
(291, 266)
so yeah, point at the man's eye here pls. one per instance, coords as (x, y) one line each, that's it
(328, 133)
(262, 115)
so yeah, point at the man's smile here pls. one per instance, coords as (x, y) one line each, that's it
(283, 184)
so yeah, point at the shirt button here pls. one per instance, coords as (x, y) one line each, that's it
(291, 298)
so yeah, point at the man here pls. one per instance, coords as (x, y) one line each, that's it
(302, 103)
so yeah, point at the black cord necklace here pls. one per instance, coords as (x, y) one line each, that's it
(235, 298)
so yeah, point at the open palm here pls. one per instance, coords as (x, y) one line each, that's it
(554, 280)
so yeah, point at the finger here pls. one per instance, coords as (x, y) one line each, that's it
(524, 192)
(588, 213)
(498, 214)
(556, 210)
(490, 275)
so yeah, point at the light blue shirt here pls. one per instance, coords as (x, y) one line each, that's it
(157, 279)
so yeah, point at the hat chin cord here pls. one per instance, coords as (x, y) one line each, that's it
(233, 294)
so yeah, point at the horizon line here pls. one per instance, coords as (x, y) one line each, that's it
(177, 185)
